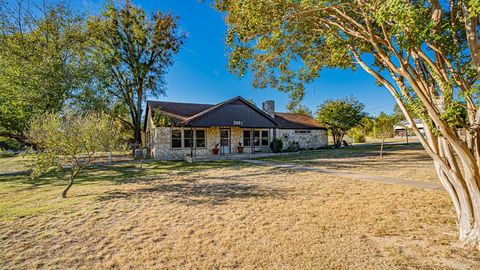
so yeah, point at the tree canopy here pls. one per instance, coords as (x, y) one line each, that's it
(135, 50)
(42, 54)
(339, 116)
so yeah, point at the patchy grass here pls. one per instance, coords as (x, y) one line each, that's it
(13, 164)
(222, 215)
(399, 161)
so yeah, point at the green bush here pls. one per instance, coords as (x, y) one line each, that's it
(276, 145)
(359, 138)
(293, 147)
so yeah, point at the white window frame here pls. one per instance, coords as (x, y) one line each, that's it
(171, 138)
(182, 138)
(195, 137)
(260, 137)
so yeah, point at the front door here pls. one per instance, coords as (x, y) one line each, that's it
(225, 141)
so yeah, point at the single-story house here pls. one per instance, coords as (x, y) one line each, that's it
(175, 131)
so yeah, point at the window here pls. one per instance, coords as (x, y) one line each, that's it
(256, 137)
(187, 138)
(246, 137)
(302, 131)
(260, 138)
(264, 137)
(176, 138)
(200, 138)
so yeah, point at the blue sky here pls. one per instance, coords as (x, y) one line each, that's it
(199, 74)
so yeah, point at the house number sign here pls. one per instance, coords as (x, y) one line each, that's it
(237, 123)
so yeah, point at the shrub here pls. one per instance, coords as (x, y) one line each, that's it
(293, 147)
(359, 138)
(70, 140)
(276, 145)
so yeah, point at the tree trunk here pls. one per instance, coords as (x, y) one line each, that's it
(406, 134)
(381, 148)
(73, 173)
(19, 138)
(70, 183)
(337, 140)
(138, 134)
(454, 157)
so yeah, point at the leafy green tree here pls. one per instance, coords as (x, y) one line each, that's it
(136, 51)
(339, 116)
(43, 61)
(70, 141)
(398, 112)
(363, 129)
(425, 53)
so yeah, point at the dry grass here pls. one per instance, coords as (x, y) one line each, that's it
(224, 216)
(399, 161)
(13, 164)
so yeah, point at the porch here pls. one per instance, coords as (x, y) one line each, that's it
(209, 143)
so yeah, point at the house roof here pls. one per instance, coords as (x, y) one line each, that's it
(297, 121)
(222, 104)
(177, 111)
(189, 113)
(401, 125)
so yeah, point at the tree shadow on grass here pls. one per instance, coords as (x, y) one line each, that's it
(124, 172)
(207, 190)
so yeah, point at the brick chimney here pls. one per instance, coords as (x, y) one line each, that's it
(268, 106)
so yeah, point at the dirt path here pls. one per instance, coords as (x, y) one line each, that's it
(377, 178)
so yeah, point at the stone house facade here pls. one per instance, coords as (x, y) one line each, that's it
(176, 131)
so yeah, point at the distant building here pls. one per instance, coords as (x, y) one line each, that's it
(400, 129)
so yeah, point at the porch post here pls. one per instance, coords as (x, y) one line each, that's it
(252, 143)
(191, 143)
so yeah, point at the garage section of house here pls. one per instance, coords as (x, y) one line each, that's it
(176, 131)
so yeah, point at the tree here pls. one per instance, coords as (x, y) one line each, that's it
(42, 55)
(398, 113)
(384, 125)
(364, 128)
(136, 51)
(339, 116)
(302, 109)
(70, 141)
(425, 53)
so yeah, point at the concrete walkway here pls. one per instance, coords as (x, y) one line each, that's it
(376, 178)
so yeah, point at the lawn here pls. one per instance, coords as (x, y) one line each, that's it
(399, 161)
(223, 215)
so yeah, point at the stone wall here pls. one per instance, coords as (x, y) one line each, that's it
(162, 148)
(313, 140)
